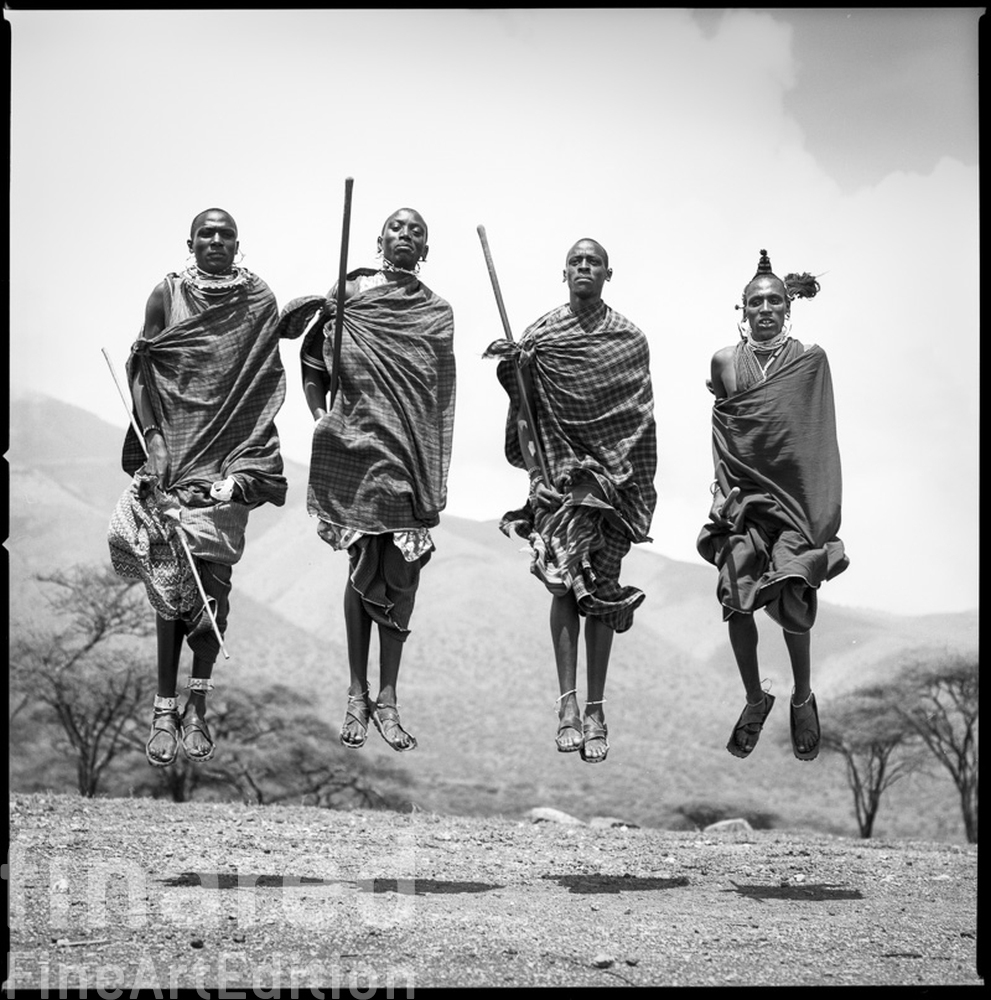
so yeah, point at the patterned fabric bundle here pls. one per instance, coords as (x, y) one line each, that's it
(593, 408)
(776, 441)
(216, 382)
(380, 457)
(144, 546)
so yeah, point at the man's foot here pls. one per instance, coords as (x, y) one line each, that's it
(386, 719)
(595, 746)
(163, 742)
(196, 742)
(748, 727)
(354, 732)
(569, 731)
(805, 733)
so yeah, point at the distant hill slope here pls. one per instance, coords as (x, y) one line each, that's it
(478, 682)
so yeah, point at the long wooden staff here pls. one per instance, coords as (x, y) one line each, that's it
(525, 424)
(342, 277)
(180, 531)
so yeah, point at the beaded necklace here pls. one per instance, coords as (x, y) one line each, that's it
(214, 284)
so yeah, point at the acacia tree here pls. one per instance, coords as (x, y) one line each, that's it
(945, 716)
(83, 669)
(868, 732)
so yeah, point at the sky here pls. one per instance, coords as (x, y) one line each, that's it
(843, 140)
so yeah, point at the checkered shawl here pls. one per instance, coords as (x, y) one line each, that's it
(593, 407)
(144, 545)
(380, 457)
(777, 441)
(216, 382)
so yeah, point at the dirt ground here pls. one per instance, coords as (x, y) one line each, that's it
(124, 893)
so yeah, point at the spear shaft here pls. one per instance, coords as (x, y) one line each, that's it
(342, 277)
(180, 531)
(525, 423)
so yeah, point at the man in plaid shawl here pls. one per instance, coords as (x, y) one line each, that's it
(586, 372)
(207, 382)
(381, 451)
(777, 496)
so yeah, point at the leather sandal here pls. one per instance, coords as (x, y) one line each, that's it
(164, 720)
(572, 722)
(750, 723)
(593, 730)
(358, 712)
(386, 719)
(805, 726)
(198, 724)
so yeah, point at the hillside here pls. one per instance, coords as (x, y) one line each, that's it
(478, 682)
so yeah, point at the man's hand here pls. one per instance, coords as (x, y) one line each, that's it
(542, 495)
(721, 505)
(157, 462)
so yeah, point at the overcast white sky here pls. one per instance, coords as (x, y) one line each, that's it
(843, 140)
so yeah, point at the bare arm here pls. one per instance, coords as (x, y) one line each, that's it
(158, 452)
(722, 382)
(316, 385)
(316, 381)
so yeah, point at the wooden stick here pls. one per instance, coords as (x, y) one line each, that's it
(180, 531)
(527, 422)
(342, 278)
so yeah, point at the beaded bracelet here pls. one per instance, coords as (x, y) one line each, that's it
(153, 427)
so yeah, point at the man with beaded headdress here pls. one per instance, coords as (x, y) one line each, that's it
(773, 525)
(586, 371)
(381, 451)
(207, 382)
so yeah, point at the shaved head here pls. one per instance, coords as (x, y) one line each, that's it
(599, 248)
(198, 220)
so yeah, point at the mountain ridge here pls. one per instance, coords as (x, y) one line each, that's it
(478, 684)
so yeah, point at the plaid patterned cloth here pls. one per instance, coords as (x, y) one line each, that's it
(380, 457)
(776, 441)
(593, 407)
(216, 382)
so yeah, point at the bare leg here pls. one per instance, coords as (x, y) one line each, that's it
(359, 632)
(598, 645)
(799, 649)
(565, 628)
(806, 720)
(196, 740)
(170, 635)
(743, 638)
(163, 743)
(390, 656)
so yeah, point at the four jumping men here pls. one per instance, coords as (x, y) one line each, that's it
(207, 382)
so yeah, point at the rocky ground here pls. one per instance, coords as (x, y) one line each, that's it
(123, 893)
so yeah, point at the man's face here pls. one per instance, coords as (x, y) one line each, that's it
(586, 270)
(214, 242)
(404, 238)
(767, 307)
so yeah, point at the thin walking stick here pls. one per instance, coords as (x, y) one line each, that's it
(525, 424)
(342, 277)
(180, 532)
